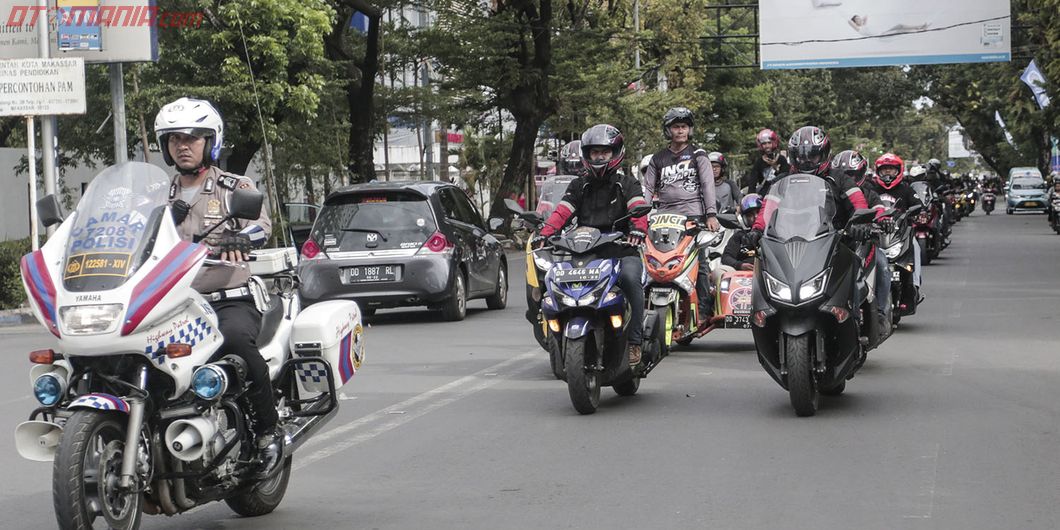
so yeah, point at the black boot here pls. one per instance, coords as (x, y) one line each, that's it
(269, 453)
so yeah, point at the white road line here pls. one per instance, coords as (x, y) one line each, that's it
(406, 411)
(928, 479)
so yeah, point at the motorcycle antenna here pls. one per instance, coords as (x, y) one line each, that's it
(270, 179)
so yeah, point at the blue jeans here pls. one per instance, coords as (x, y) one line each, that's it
(629, 280)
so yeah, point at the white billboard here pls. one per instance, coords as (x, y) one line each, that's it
(847, 33)
(42, 87)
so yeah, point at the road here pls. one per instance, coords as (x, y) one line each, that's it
(951, 424)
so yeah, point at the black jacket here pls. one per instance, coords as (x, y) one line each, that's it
(904, 195)
(754, 179)
(737, 250)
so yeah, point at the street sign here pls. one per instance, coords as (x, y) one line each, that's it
(42, 87)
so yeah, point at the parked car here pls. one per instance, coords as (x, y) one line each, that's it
(1027, 194)
(405, 243)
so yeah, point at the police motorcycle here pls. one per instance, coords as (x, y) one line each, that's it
(137, 412)
(588, 315)
(812, 312)
(898, 247)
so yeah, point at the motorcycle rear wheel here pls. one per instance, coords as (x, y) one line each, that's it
(802, 388)
(86, 472)
(583, 384)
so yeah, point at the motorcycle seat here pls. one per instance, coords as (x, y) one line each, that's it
(270, 320)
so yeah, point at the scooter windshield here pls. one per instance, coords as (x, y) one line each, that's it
(666, 230)
(114, 226)
(923, 191)
(802, 207)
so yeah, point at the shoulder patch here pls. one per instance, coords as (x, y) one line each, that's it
(227, 181)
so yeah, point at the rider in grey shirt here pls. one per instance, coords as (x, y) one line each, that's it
(727, 193)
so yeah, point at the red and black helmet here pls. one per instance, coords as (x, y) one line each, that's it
(602, 135)
(852, 163)
(767, 141)
(809, 149)
(889, 160)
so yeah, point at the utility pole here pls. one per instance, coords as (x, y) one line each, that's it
(48, 124)
(117, 103)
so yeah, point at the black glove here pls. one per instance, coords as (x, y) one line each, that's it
(753, 237)
(887, 224)
(859, 233)
(636, 237)
(230, 244)
(537, 241)
(180, 211)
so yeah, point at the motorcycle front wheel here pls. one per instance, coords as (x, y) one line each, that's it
(802, 389)
(583, 383)
(86, 474)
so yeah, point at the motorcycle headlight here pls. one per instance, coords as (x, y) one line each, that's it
(568, 301)
(209, 382)
(813, 287)
(90, 319)
(893, 251)
(777, 288)
(674, 262)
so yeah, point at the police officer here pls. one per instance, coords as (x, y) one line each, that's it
(190, 133)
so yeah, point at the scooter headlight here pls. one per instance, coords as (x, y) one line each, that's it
(813, 287)
(209, 382)
(893, 251)
(778, 289)
(49, 389)
(90, 319)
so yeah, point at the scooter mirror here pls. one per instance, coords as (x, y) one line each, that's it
(640, 211)
(245, 204)
(728, 220)
(861, 216)
(513, 206)
(496, 223)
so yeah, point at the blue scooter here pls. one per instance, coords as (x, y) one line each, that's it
(588, 315)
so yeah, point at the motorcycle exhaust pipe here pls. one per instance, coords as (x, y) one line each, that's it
(298, 432)
(187, 438)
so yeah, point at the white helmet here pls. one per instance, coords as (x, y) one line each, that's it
(196, 117)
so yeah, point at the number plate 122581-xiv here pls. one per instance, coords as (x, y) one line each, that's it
(371, 273)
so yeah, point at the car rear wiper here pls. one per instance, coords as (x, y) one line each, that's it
(376, 232)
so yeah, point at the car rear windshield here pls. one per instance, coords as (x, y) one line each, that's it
(374, 221)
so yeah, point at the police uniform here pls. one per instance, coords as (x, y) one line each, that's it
(226, 286)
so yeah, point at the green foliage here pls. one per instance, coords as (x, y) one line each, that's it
(12, 294)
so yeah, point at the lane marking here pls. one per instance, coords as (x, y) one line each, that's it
(401, 413)
(928, 478)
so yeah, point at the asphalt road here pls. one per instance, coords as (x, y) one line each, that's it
(951, 424)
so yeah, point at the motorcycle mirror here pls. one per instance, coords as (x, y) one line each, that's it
(640, 211)
(713, 255)
(49, 211)
(245, 204)
(729, 220)
(495, 223)
(533, 218)
(861, 216)
(913, 210)
(513, 206)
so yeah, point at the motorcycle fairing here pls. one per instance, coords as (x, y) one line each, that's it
(38, 282)
(100, 401)
(577, 327)
(160, 280)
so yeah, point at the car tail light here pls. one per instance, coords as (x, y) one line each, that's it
(311, 250)
(436, 244)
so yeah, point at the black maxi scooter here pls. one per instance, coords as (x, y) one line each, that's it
(810, 300)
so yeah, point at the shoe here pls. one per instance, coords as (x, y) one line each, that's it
(634, 354)
(270, 454)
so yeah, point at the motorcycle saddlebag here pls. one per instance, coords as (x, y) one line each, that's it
(330, 330)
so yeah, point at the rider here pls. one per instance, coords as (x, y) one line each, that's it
(1054, 192)
(191, 133)
(726, 192)
(854, 166)
(570, 158)
(768, 165)
(810, 149)
(739, 252)
(889, 181)
(599, 198)
(679, 178)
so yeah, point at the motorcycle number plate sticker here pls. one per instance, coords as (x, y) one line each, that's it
(896, 276)
(97, 264)
(577, 275)
(737, 321)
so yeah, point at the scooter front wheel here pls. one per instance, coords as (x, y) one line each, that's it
(583, 383)
(802, 388)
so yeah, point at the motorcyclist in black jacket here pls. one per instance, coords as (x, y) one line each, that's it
(852, 165)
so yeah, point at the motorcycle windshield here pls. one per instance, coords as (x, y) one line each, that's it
(114, 226)
(801, 207)
(666, 230)
(923, 191)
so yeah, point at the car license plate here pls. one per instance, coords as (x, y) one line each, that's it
(738, 321)
(577, 275)
(372, 273)
(896, 276)
(1031, 204)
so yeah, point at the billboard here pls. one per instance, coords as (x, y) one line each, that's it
(847, 33)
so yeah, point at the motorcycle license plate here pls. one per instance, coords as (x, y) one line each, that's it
(371, 273)
(896, 276)
(738, 321)
(577, 275)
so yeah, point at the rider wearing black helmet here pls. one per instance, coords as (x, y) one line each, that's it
(599, 197)
(570, 158)
(679, 179)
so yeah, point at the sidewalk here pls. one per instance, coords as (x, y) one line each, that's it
(16, 317)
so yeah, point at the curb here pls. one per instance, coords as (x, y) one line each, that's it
(16, 317)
